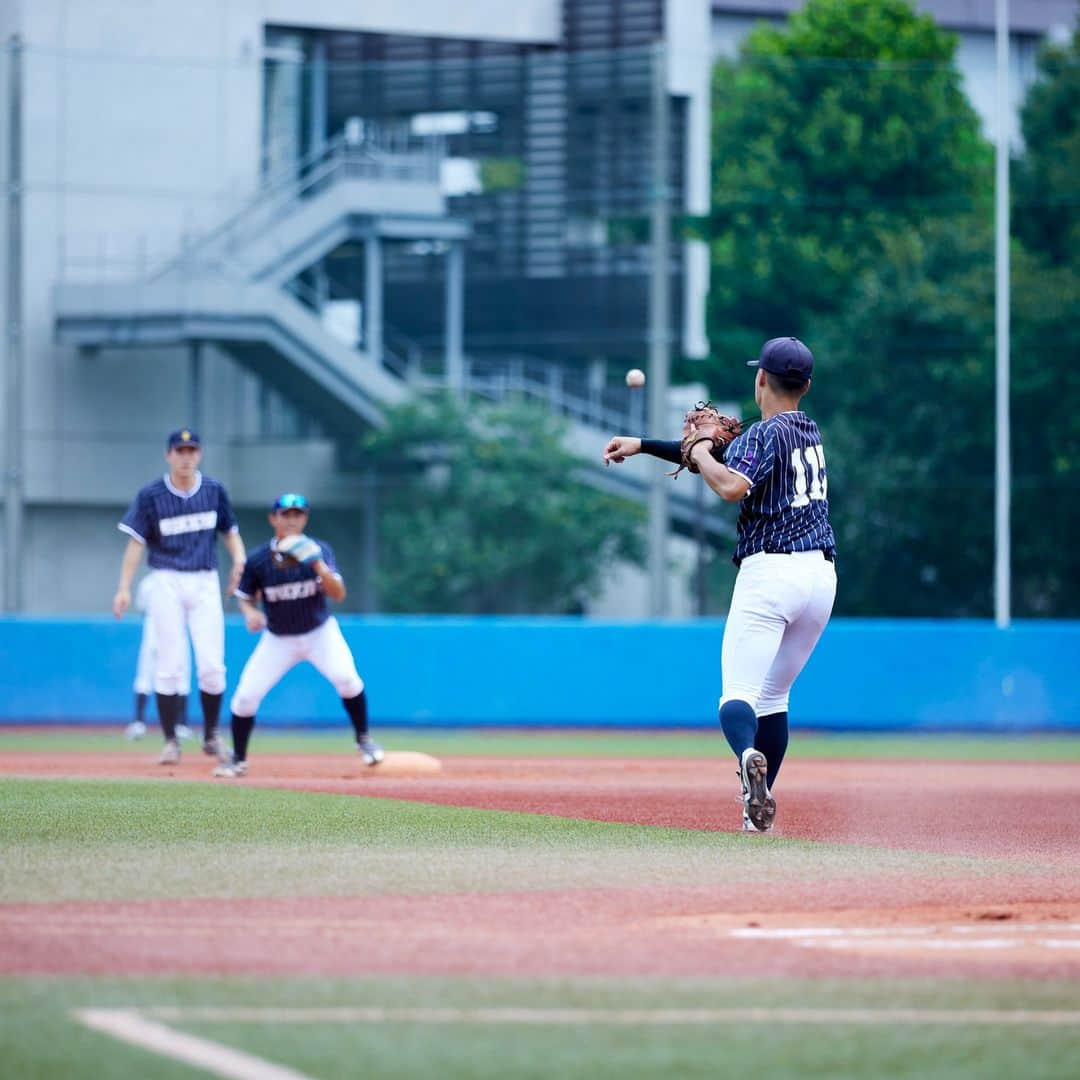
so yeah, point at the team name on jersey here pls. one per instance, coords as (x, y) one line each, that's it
(292, 590)
(188, 523)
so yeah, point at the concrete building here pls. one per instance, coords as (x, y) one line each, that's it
(263, 218)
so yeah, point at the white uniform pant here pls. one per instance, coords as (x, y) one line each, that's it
(183, 601)
(147, 663)
(324, 647)
(779, 608)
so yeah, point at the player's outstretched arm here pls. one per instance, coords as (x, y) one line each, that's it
(620, 447)
(128, 565)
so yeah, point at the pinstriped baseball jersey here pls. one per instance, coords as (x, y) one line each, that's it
(178, 527)
(292, 596)
(786, 508)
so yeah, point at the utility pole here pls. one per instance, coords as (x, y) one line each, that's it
(13, 373)
(659, 328)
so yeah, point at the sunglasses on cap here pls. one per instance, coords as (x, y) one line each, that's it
(291, 501)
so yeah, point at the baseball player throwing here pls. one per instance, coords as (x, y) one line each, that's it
(786, 584)
(293, 575)
(177, 518)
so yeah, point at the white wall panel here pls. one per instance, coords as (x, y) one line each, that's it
(497, 20)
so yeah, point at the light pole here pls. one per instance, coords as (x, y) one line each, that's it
(1002, 465)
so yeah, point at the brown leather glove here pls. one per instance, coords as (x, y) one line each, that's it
(703, 423)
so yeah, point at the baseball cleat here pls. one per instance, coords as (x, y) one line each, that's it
(135, 730)
(170, 753)
(759, 807)
(213, 747)
(231, 770)
(370, 750)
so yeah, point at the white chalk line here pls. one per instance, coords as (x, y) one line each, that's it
(133, 1026)
(1030, 936)
(1005, 930)
(568, 1016)
(130, 1026)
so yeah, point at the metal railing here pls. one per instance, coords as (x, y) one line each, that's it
(382, 154)
(281, 195)
(401, 355)
(564, 391)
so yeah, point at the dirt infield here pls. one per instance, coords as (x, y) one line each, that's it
(1017, 917)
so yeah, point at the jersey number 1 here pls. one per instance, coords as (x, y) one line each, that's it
(815, 462)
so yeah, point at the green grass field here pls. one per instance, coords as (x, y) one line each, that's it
(141, 840)
(164, 839)
(38, 1037)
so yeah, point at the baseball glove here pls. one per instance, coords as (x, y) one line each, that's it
(300, 548)
(704, 423)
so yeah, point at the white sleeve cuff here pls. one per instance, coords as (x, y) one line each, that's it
(131, 532)
(744, 477)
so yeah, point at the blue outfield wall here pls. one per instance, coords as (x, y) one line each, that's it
(866, 674)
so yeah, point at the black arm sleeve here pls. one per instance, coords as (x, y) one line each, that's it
(669, 450)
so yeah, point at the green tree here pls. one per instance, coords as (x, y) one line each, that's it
(483, 510)
(829, 134)
(851, 206)
(907, 393)
(1047, 188)
(1046, 340)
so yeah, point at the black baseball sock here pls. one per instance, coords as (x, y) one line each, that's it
(168, 710)
(182, 718)
(140, 708)
(772, 740)
(356, 707)
(211, 711)
(242, 727)
(739, 722)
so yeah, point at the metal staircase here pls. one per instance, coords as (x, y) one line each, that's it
(228, 287)
(237, 287)
(319, 203)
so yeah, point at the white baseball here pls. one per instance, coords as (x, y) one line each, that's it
(635, 377)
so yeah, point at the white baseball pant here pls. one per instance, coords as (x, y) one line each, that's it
(147, 661)
(324, 647)
(183, 602)
(779, 608)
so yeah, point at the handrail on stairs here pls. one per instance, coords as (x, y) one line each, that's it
(293, 182)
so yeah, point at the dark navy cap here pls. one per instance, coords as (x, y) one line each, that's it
(183, 437)
(291, 501)
(787, 357)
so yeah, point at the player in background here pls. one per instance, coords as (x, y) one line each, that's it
(177, 519)
(785, 552)
(144, 669)
(294, 576)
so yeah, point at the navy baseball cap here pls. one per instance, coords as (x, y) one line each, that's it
(787, 357)
(183, 437)
(291, 501)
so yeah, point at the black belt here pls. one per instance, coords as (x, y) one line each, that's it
(829, 555)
